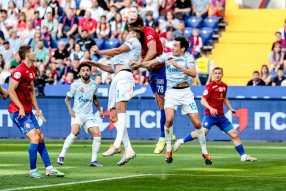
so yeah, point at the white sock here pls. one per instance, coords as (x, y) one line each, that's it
(202, 139)
(243, 156)
(33, 170)
(95, 148)
(126, 141)
(168, 137)
(121, 124)
(181, 141)
(49, 167)
(162, 139)
(68, 142)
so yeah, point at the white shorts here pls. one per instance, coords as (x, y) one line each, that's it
(85, 121)
(183, 97)
(121, 88)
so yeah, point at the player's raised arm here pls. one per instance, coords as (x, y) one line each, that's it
(35, 104)
(12, 93)
(152, 50)
(4, 93)
(106, 68)
(146, 64)
(111, 52)
(227, 104)
(190, 71)
(96, 103)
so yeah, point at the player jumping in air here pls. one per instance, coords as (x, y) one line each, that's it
(213, 99)
(152, 48)
(180, 71)
(121, 89)
(84, 92)
(22, 93)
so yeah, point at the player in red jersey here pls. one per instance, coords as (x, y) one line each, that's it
(213, 99)
(151, 49)
(23, 97)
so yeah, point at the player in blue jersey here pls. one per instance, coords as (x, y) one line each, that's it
(121, 89)
(84, 92)
(180, 71)
(213, 99)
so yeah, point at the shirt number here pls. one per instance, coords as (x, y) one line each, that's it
(193, 106)
(161, 89)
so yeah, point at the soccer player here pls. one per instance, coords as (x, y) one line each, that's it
(152, 48)
(23, 97)
(84, 92)
(213, 99)
(180, 71)
(121, 89)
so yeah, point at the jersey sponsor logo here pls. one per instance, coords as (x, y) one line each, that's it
(149, 37)
(80, 89)
(28, 125)
(206, 92)
(17, 75)
(221, 96)
(160, 81)
(214, 86)
(84, 100)
(173, 69)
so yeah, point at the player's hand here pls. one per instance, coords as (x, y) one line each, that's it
(4, 95)
(134, 65)
(172, 62)
(95, 49)
(213, 112)
(233, 112)
(91, 62)
(38, 114)
(21, 113)
(72, 113)
(101, 114)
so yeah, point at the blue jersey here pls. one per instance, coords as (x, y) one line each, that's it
(134, 53)
(174, 75)
(83, 97)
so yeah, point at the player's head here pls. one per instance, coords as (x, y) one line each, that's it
(180, 46)
(256, 76)
(136, 34)
(84, 71)
(27, 53)
(138, 24)
(218, 74)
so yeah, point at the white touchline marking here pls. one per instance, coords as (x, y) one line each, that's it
(233, 176)
(81, 182)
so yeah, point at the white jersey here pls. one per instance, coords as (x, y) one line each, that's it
(174, 75)
(83, 97)
(134, 53)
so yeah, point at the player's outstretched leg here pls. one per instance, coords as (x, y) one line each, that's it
(162, 141)
(170, 113)
(95, 132)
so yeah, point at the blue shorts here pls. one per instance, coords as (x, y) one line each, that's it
(157, 80)
(25, 124)
(221, 121)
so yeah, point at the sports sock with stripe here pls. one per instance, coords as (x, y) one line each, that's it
(68, 142)
(95, 148)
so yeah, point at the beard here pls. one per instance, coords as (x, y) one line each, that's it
(85, 78)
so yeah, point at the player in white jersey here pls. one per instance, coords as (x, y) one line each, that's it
(84, 92)
(121, 89)
(180, 71)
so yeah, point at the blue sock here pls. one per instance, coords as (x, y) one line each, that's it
(188, 138)
(240, 149)
(162, 123)
(44, 154)
(33, 155)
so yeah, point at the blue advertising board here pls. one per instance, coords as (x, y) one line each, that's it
(256, 120)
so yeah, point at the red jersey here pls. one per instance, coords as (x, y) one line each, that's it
(215, 94)
(87, 25)
(151, 34)
(25, 76)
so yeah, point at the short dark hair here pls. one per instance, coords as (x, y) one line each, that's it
(84, 30)
(140, 36)
(149, 13)
(103, 16)
(72, 37)
(183, 42)
(280, 68)
(256, 72)
(84, 65)
(138, 22)
(76, 58)
(23, 50)
(204, 51)
(218, 68)
(278, 33)
(3, 11)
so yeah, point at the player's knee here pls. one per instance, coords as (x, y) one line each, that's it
(235, 135)
(113, 119)
(75, 133)
(197, 124)
(96, 134)
(169, 121)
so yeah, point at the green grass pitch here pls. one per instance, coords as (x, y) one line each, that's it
(187, 172)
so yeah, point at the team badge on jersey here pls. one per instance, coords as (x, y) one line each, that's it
(86, 89)
(80, 89)
(206, 92)
(17, 75)
(206, 124)
(28, 125)
(220, 89)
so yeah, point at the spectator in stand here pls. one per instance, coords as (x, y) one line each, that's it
(165, 48)
(54, 4)
(69, 79)
(52, 25)
(53, 68)
(71, 44)
(170, 22)
(21, 24)
(14, 41)
(103, 28)
(66, 69)
(5, 73)
(280, 41)
(60, 55)
(86, 56)
(128, 7)
(283, 31)
(277, 80)
(118, 3)
(111, 14)
(145, 74)
(196, 43)
(34, 41)
(50, 78)
(47, 36)
(138, 77)
(93, 56)
(42, 52)
(265, 75)
(44, 9)
(40, 80)
(167, 5)
(9, 53)
(94, 73)
(183, 9)
(276, 57)
(151, 22)
(180, 30)
(88, 24)
(96, 11)
(201, 8)
(153, 5)
(2, 63)
(218, 8)
(5, 24)
(20, 3)
(256, 81)
(12, 12)
(117, 27)
(75, 65)
(98, 79)
(16, 62)
(169, 39)
(68, 4)
(37, 21)
(77, 53)
(104, 61)
(28, 33)
(2, 36)
(35, 4)
(28, 10)
(86, 42)
(84, 5)
(204, 68)
(68, 25)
